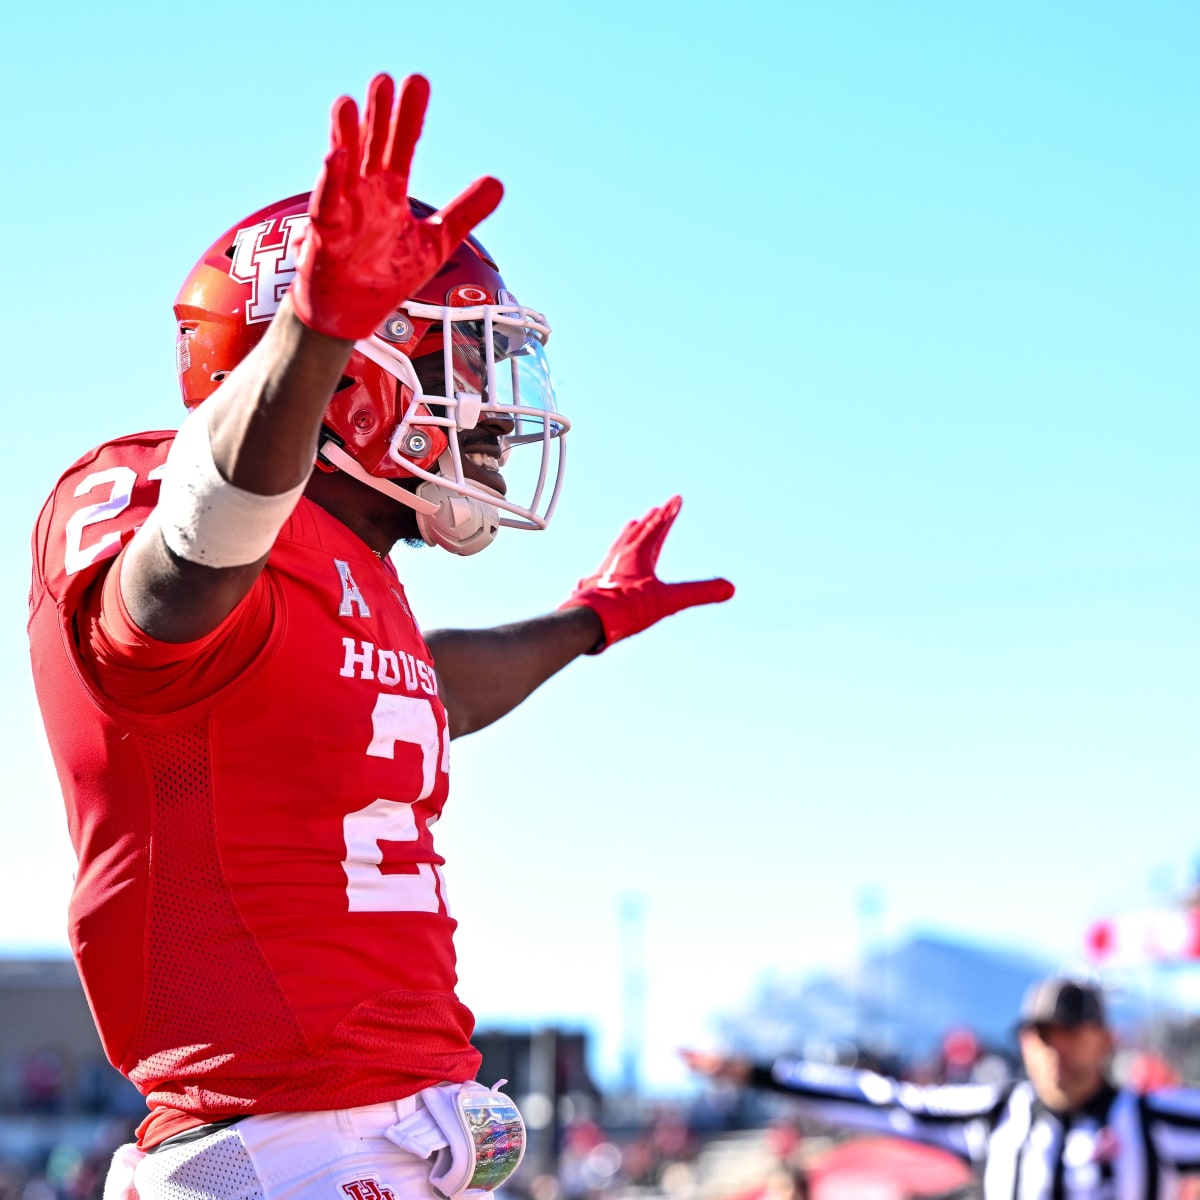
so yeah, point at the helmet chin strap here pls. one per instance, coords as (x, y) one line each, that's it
(461, 524)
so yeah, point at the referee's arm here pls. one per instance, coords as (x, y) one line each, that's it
(956, 1117)
(1172, 1119)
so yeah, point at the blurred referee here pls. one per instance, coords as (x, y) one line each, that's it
(1064, 1133)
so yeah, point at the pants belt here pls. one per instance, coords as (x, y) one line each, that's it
(369, 1120)
(194, 1135)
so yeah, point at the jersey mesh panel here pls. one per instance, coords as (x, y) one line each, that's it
(201, 958)
(389, 1045)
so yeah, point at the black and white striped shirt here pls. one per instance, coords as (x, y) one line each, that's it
(1119, 1146)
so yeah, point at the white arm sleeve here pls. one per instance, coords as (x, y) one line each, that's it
(208, 520)
(953, 1116)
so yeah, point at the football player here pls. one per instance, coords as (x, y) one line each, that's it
(250, 730)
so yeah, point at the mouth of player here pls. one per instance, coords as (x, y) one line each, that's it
(482, 464)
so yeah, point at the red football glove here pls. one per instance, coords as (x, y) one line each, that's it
(626, 594)
(365, 252)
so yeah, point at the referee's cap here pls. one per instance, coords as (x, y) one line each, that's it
(1068, 1003)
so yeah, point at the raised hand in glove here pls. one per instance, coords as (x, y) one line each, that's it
(626, 594)
(365, 252)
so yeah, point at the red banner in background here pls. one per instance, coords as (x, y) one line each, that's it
(1156, 935)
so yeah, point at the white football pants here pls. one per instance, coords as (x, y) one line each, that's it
(337, 1155)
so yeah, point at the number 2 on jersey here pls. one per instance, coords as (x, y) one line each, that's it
(408, 719)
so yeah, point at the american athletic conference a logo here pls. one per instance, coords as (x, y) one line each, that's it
(267, 263)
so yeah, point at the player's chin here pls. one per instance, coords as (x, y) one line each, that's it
(404, 516)
(492, 480)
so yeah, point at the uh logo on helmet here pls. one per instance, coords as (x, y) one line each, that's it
(461, 351)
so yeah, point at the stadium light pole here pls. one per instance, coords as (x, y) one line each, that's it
(869, 906)
(631, 912)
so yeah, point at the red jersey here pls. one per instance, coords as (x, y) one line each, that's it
(259, 916)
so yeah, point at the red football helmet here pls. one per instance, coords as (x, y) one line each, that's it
(458, 353)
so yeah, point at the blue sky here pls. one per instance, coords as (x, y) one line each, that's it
(902, 299)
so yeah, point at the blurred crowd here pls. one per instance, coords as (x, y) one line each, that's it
(42, 1081)
(59, 1127)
